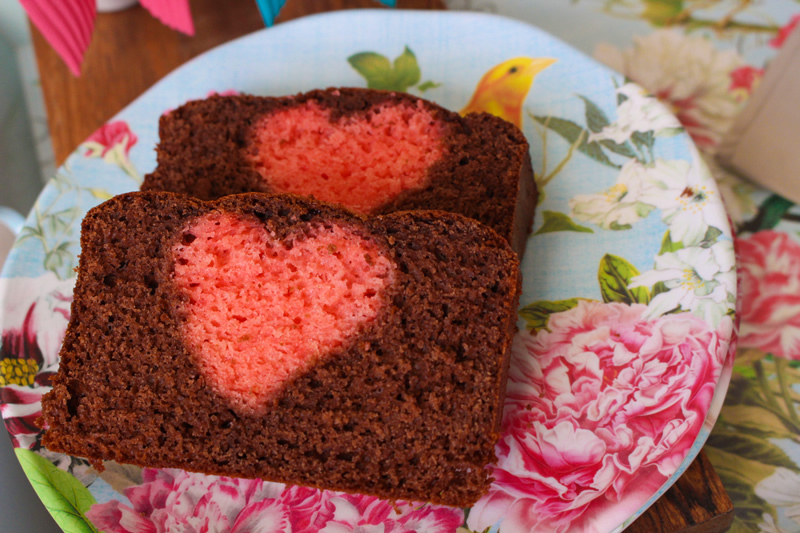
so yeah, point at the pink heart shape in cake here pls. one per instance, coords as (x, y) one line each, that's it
(261, 309)
(362, 162)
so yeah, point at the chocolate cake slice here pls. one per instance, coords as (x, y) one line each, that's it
(375, 152)
(276, 337)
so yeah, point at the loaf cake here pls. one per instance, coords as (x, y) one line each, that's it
(373, 151)
(277, 337)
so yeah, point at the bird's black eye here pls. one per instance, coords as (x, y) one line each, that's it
(512, 70)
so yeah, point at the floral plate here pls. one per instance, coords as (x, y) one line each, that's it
(704, 60)
(626, 318)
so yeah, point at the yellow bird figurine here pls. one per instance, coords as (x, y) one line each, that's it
(503, 89)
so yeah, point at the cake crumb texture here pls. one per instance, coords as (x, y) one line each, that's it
(359, 162)
(260, 310)
(408, 406)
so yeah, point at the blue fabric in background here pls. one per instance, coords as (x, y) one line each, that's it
(270, 8)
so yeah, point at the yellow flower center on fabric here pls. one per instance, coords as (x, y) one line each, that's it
(694, 199)
(615, 193)
(18, 372)
(691, 280)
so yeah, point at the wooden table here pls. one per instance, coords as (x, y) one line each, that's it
(131, 50)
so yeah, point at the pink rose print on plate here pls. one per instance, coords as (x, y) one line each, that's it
(600, 411)
(110, 136)
(112, 143)
(770, 265)
(174, 500)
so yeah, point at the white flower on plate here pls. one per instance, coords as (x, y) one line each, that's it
(639, 112)
(782, 489)
(685, 193)
(768, 525)
(689, 201)
(700, 280)
(619, 206)
(686, 72)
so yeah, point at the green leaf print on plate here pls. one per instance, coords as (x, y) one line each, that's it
(575, 135)
(64, 496)
(555, 221)
(538, 313)
(381, 74)
(596, 119)
(56, 219)
(425, 85)
(614, 275)
(668, 245)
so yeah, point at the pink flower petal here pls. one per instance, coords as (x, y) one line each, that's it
(113, 134)
(226, 498)
(114, 517)
(16, 395)
(601, 405)
(266, 516)
(310, 508)
(770, 270)
(149, 496)
(490, 509)
(174, 500)
(211, 516)
(431, 519)
(23, 424)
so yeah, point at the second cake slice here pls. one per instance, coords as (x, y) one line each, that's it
(375, 152)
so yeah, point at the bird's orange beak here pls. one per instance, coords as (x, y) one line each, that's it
(539, 64)
(527, 69)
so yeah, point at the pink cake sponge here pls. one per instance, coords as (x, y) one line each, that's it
(259, 308)
(360, 162)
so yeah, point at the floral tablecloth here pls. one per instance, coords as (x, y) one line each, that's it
(704, 59)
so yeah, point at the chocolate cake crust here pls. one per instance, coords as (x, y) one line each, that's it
(409, 408)
(486, 173)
